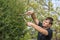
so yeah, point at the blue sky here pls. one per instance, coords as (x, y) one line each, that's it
(56, 3)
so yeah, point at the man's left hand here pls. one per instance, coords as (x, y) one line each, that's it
(29, 23)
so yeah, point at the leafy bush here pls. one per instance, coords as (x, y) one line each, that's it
(12, 24)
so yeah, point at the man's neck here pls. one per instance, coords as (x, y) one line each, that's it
(46, 27)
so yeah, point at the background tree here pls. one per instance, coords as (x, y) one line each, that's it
(12, 24)
(12, 18)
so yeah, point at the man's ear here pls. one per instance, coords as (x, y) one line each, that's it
(49, 25)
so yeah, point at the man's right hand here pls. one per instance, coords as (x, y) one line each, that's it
(33, 16)
(29, 12)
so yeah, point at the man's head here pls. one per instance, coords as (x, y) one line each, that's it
(48, 22)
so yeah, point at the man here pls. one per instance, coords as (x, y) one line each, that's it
(44, 31)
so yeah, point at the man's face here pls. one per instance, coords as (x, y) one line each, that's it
(46, 23)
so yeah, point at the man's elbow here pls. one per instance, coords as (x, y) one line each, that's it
(46, 33)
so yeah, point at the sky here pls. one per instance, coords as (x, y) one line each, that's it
(56, 3)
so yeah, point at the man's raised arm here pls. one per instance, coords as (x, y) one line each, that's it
(33, 16)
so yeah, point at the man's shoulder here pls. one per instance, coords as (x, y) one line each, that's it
(40, 24)
(49, 29)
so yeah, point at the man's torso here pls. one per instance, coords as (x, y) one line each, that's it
(43, 37)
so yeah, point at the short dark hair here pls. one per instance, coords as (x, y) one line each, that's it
(51, 20)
